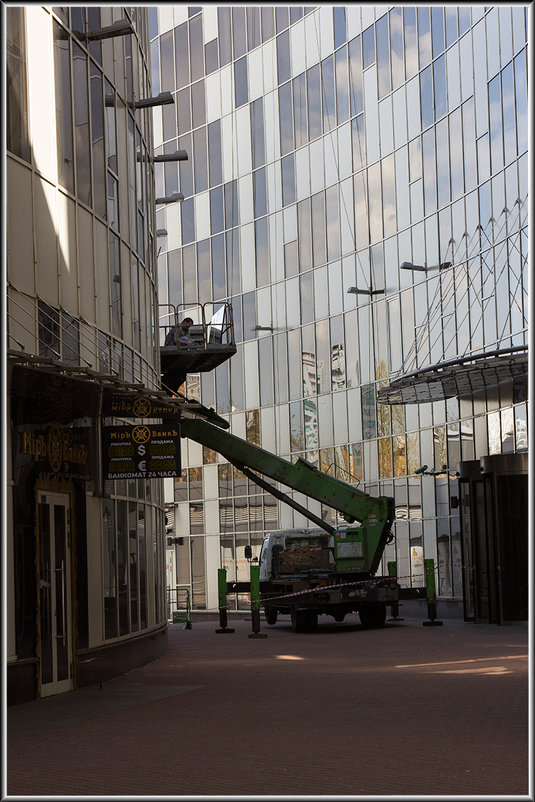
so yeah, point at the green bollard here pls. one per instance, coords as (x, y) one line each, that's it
(393, 572)
(222, 588)
(431, 595)
(255, 602)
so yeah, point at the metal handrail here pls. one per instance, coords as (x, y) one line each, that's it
(215, 332)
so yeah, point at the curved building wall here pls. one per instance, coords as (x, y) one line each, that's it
(327, 146)
(80, 305)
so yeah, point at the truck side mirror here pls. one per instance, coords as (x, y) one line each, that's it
(248, 552)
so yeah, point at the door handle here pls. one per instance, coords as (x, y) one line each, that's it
(61, 570)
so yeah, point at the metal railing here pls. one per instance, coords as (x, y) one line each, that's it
(179, 606)
(212, 323)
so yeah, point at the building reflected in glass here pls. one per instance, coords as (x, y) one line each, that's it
(328, 146)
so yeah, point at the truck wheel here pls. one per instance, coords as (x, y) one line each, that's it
(339, 617)
(271, 615)
(372, 616)
(299, 620)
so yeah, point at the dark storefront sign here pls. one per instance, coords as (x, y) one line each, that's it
(58, 450)
(143, 451)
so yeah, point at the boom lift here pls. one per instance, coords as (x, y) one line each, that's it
(324, 570)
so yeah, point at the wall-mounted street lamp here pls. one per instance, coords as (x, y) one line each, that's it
(176, 156)
(423, 471)
(122, 27)
(424, 268)
(163, 99)
(174, 198)
(161, 232)
(358, 291)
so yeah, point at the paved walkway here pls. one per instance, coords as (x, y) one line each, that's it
(404, 710)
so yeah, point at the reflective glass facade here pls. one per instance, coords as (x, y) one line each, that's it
(327, 146)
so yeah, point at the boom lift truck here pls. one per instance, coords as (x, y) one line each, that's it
(327, 570)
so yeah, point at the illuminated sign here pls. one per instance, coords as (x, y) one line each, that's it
(141, 452)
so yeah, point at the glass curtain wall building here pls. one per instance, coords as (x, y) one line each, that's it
(357, 189)
(84, 555)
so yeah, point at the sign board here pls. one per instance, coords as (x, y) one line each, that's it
(123, 405)
(140, 452)
(58, 450)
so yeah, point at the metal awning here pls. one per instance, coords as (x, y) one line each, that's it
(53, 390)
(461, 378)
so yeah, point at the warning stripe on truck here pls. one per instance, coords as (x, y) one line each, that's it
(367, 583)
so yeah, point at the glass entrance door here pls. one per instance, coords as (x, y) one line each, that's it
(55, 637)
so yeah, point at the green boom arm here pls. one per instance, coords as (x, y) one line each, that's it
(374, 514)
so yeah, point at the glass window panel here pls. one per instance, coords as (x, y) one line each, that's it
(257, 132)
(300, 110)
(281, 368)
(522, 126)
(424, 36)
(333, 222)
(196, 48)
(286, 118)
(411, 42)
(428, 153)
(174, 260)
(97, 139)
(319, 248)
(358, 142)
(189, 270)
(241, 92)
(198, 104)
(219, 284)
(368, 46)
(253, 27)
(396, 47)
(262, 252)
(360, 195)
(216, 210)
(233, 263)
(437, 21)
(339, 22)
(291, 266)
(203, 268)
(508, 108)
(62, 74)
(225, 44)
(186, 167)
(283, 57)
(375, 202)
(183, 103)
(443, 172)
(464, 19)
(304, 235)
(182, 55)
(383, 56)
(483, 158)
(211, 57)
(314, 102)
(268, 26)
(307, 298)
(456, 147)
(441, 99)
(214, 153)
(389, 196)
(342, 85)
(451, 25)
(469, 145)
(282, 17)
(239, 35)
(200, 160)
(495, 128)
(426, 97)
(81, 124)
(167, 62)
(259, 193)
(231, 204)
(328, 93)
(295, 364)
(288, 179)
(355, 75)
(323, 357)
(265, 364)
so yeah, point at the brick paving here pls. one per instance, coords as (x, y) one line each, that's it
(404, 710)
